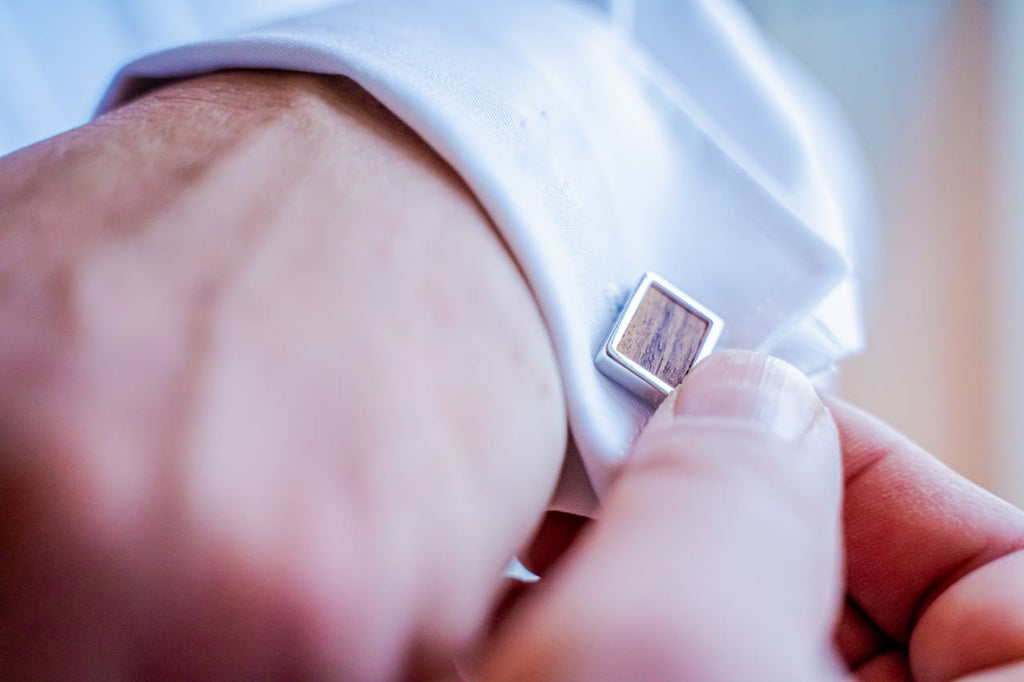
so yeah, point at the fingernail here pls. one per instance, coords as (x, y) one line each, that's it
(752, 389)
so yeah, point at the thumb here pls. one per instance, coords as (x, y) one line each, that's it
(717, 556)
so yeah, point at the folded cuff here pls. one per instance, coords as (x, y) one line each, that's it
(597, 161)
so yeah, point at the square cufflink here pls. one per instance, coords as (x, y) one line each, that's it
(659, 335)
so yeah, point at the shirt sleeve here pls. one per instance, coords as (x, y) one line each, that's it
(674, 141)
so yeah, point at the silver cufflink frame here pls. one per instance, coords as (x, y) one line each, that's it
(660, 333)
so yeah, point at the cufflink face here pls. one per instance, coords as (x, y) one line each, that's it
(659, 335)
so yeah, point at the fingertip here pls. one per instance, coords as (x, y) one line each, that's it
(758, 390)
(722, 527)
(742, 391)
(748, 428)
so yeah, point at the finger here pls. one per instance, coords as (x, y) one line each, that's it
(858, 639)
(1004, 673)
(890, 666)
(557, 532)
(975, 624)
(717, 553)
(912, 526)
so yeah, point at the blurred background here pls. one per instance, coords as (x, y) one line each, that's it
(934, 89)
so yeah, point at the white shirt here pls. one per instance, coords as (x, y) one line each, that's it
(605, 140)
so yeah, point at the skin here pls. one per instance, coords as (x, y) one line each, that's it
(264, 366)
(276, 403)
(935, 565)
(723, 564)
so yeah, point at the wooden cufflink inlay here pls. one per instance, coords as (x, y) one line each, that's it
(660, 334)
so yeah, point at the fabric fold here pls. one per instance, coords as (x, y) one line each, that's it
(596, 162)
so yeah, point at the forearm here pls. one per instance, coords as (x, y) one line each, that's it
(254, 312)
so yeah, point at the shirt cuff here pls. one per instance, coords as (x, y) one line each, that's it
(600, 151)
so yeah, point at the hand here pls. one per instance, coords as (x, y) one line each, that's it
(220, 459)
(718, 553)
(275, 402)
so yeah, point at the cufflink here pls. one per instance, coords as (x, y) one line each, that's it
(659, 335)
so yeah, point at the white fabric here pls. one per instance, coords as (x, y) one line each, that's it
(605, 141)
(57, 56)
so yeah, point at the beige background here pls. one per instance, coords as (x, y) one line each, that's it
(934, 90)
